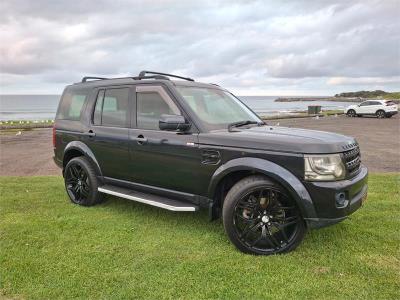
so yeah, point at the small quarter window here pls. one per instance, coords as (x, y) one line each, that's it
(71, 105)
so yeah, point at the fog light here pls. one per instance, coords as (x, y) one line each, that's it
(340, 199)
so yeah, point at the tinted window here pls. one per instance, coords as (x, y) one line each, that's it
(114, 107)
(375, 103)
(366, 103)
(150, 107)
(216, 108)
(71, 105)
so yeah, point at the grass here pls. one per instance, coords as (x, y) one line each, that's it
(52, 249)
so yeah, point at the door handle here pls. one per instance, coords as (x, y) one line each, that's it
(140, 139)
(91, 133)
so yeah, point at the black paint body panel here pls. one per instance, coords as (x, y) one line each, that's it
(190, 165)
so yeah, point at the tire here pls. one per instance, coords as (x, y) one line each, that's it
(81, 182)
(261, 218)
(380, 114)
(351, 113)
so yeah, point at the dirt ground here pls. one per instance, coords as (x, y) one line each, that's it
(31, 152)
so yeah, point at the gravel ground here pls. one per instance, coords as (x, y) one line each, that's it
(31, 152)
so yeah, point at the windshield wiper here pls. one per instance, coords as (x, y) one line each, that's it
(233, 125)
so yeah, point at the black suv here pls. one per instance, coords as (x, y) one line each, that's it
(182, 145)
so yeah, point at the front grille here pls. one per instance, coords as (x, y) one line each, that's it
(352, 159)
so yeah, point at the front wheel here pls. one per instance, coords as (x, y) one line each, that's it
(351, 113)
(261, 218)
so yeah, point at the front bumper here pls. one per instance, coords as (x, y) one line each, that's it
(334, 201)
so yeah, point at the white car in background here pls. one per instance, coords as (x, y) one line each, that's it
(378, 108)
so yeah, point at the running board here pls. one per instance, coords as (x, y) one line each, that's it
(149, 199)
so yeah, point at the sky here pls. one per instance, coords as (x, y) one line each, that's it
(249, 47)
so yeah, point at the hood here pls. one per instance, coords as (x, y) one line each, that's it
(276, 138)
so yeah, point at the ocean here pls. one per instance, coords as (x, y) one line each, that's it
(43, 107)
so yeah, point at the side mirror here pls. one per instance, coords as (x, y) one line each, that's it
(173, 123)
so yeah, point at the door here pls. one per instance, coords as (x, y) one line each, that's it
(165, 159)
(364, 108)
(108, 137)
(375, 106)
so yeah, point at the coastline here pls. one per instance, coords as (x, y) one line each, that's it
(27, 125)
(331, 99)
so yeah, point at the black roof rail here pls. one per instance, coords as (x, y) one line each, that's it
(150, 77)
(143, 75)
(86, 78)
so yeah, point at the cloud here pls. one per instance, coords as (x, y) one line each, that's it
(254, 46)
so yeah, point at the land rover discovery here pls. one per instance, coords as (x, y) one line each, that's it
(168, 141)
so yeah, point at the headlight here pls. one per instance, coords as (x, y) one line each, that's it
(324, 167)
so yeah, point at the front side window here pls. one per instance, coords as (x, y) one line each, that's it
(71, 105)
(151, 104)
(112, 108)
(366, 103)
(216, 108)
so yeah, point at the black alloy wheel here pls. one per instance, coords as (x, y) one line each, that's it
(351, 113)
(380, 114)
(262, 217)
(81, 182)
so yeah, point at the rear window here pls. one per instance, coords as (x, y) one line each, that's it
(390, 103)
(71, 105)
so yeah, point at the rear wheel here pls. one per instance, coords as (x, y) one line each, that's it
(380, 114)
(261, 218)
(81, 182)
(351, 113)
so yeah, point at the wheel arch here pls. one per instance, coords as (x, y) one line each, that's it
(242, 167)
(77, 148)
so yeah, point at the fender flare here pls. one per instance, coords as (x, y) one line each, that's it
(272, 170)
(85, 150)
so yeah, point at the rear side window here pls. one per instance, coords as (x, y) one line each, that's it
(112, 108)
(71, 105)
(375, 103)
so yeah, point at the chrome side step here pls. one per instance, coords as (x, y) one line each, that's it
(149, 199)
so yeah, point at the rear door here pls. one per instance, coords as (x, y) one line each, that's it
(164, 159)
(108, 136)
(365, 108)
(375, 106)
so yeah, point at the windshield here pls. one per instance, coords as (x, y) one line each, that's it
(216, 108)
